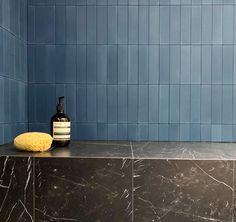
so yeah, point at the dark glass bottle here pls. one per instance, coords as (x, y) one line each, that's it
(60, 126)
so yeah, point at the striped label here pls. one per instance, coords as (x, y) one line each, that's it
(61, 131)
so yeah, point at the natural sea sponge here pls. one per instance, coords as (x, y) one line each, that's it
(34, 141)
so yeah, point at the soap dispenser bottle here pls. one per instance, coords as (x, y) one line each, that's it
(60, 126)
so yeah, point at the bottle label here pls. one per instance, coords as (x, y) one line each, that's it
(61, 131)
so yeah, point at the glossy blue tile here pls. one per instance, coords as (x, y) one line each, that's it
(164, 64)
(163, 132)
(206, 24)
(133, 2)
(185, 24)
(81, 25)
(153, 103)
(216, 104)
(91, 103)
(102, 131)
(164, 104)
(228, 27)
(185, 103)
(91, 64)
(122, 103)
(164, 24)
(185, 64)
(102, 103)
(206, 104)
(112, 64)
(154, 2)
(206, 64)
(81, 64)
(228, 64)
(164, 2)
(184, 132)
(143, 64)
(122, 132)
(143, 104)
(154, 24)
(112, 103)
(102, 64)
(217, 24)
(112, 24)
(2, 100)
(217, 61)
(122, 64)
(102, 2)
(153, 64)
(195, 101)
(227, 104)
(195, 64)
(174, 64)
(234, 72)
(175, 25)
(87, 131)
(174, 132)
(122, 25)
(174, 103)
(153, 132)
(1, 52)
(227, 133)
(196, 22)
(133, 64)
(30, 24)
(206, 133)
(195, 132)
(91, 24)
(216, 133)
(112, 2)
(81, 109)
(60, 24)
(132, 132)
(71, 33)
(101, 25)
(132, 104)
(234, 104)
(143, 24)
(112, 131)
(143, 132)
(133, 24)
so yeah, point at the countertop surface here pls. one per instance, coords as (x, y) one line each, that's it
(134, 150)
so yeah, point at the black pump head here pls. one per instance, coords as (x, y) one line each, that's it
(60, 106)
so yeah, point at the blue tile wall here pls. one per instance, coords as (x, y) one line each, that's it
(130, 70)
(13, 69)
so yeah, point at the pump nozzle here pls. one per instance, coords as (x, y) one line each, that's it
(60, 106)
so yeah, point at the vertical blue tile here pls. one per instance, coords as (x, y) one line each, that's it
(217, 61)
(102, 131)
(195, 64)
(81, 24)
(206, 24)
(133, 24)
(102, 103)
(184, 132)
(174, 103)
(175, 25)
(164, 2)
(101, 64)
(163, 132)
(164, 64)
(143, 24)
(185, 24)
(234, 104)
(154, 24)
(174, 132)
(227, 104)
(102, 25)
(216, 133)
(81, 63)
(101, 2)
(206, 1)
(112, 2)
(122, 132)
(143, 132)
(91, 64)
(206, 104)
(30, 24)
(154, 2)
(112, 108)
(60, 25)
(184, 103)
(91, 2)
(70, 101)
(217, 24)
(132, 103)
(132, 132)
(122, 2)
(122, 25)
(216, 104)
(185, 64)
(153, 64)
(228, 27)
(2, 100)
(91, 24)
(234, 72)
(164, 104)
(2, 134)
(122, 64)
(71, 34)
(195, 132)
(112, 64)
(196, 24)
(133, 2)
(206, 64)
(143, 104)
(143, 64)
(112, 132)
(91, 103)
(228, 60)
(206, 133)
(195, 103)
(81, 102)
(164, 24)
(122, 104)
(175, 2)
(143, 2)
(153, 103)
(133, 64)
(174, 64)
(112, 24)
(1, 52)
(153, 132)
(227, 133)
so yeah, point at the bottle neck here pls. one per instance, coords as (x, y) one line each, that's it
(60, 111)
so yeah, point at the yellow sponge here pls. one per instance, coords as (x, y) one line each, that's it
(33, 142)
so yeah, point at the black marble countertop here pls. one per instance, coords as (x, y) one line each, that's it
(132, 150)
